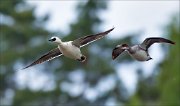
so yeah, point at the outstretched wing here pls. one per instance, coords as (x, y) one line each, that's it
(149, 41)
(90, 38)
(48, 56)
(116, 52)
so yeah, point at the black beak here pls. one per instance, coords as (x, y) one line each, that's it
(50, 40)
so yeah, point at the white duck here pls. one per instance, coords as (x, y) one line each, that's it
(70, 49)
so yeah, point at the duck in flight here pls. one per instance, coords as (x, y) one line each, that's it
(70, 49)
(140, 51)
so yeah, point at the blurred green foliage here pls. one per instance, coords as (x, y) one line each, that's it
(169, 79)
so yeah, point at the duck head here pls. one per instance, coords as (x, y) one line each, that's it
(55, 39)
(125, 46)
(118, 50)
(122, 46)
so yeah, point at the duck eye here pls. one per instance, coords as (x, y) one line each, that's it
(53, 39)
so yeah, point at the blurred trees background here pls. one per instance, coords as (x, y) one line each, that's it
(71, 82)
(19, 28)
(162, 89)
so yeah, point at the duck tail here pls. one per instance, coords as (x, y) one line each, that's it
(83, 59)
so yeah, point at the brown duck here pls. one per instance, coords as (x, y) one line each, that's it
(139, 51)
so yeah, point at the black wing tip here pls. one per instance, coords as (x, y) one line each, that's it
(173, 42)
(109, 30)
(166, 40)
(114, 55)
(112, 28)
(30, 65)
(26, 67)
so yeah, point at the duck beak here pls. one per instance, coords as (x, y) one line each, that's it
(50, 40)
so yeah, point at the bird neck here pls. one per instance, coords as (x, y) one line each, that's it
(59, 41)
(130, 50)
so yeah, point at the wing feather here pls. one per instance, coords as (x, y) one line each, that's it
(83, 41)
(47, 57)
(149, 41)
